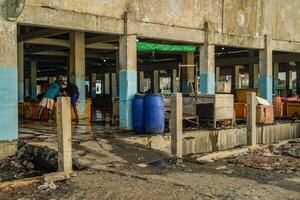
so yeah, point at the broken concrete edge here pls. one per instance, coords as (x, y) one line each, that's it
(47, 178)
(209, 157)
(8, 148)
(56, 177)
(20, 183)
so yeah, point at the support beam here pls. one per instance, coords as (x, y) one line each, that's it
(39, 34)
(101, 45)
(102, 38)
(49, 41)
(187, 73)
(77, 67)
(64, 133)
(176, 125)
(156, 81)
(265, 65)
(276, 77)
(93, 84)
(253, 75)
(107, 83)
(207, 69)
(127, 79)
(237, 77)
(298, 79)
(251, 119)
(141, 82)
(21, 72)
(114, 85)
(174, 81)
(289, 81)
(33, 75)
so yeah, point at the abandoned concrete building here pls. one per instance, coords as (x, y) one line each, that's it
(114, 49)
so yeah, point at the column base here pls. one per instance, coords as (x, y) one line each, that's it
(8, 148)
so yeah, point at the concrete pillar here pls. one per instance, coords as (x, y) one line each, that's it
(207, 69)
(64, 134)
(21, 81)
(117, 71)
(176, 125)
(8, 87)
(289, 81)
(253, 75)
(276, 77)
(141, 82)
(33, 73)
(187, 73)
(93, 84)
(298, 79)
(218, 74)
(106, 83)
(127, 79)
(237, 77)
(174, 81)
(114, 85)
(77, 67)
(251, 118)
(156, 81)
(265, 66)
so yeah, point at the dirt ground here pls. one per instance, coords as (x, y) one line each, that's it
(220, 180)
(117, 170)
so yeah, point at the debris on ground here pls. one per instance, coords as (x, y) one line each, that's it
(284, 158)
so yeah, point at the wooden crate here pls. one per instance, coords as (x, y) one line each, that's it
(293, 109)
(240, 111)
(241, 94)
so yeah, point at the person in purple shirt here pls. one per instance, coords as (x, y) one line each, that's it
(73, 93)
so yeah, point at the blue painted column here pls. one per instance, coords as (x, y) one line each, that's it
(127, 79)
(207, 69)
(77, 68)
(33, 73)
(8, 83)
(265, 65)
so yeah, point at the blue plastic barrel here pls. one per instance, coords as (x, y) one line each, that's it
(154, 115)
(138, 114)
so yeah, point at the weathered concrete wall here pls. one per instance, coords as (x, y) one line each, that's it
(203, 141)
(232, 22)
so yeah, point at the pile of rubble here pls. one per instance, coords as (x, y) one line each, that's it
(285, 158)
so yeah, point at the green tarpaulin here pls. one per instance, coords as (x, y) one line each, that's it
(144, 46)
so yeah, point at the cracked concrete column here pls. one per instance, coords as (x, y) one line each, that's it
(33, 73)
(253, 75)
(174, 81)
(289, 81)
(141, 82)
(187, 73)
(127, 79)
(266, 65)
(77, 67)
(8, 88)
(207, 69)
(237, 77)
(21, 72)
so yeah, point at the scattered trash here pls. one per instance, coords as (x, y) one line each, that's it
(221, 168)
(272, 158)
(142, 165)
(47, 186)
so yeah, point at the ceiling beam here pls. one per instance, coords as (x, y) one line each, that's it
(103, 38)
(49, 41)
(41, 33)
(52, 53)
(101, 45)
